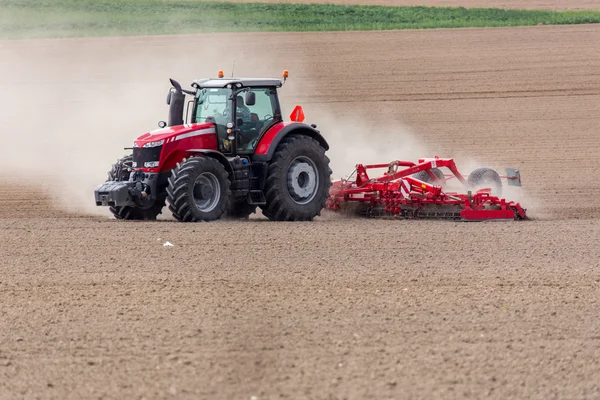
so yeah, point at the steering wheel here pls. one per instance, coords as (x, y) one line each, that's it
(268, 117)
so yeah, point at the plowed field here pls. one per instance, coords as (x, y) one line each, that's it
(92, 307)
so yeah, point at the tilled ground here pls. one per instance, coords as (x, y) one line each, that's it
(336, 308)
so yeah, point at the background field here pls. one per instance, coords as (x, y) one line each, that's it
(514, 4)
(337, 308)
(65, 18)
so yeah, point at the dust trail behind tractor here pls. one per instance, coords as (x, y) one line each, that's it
(416, 190)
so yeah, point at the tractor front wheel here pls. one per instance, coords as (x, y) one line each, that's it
(120, 172)
(198, 190)
(298, 180)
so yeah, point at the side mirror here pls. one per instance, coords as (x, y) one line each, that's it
(169, 97)
(250, 98)
(162, 124)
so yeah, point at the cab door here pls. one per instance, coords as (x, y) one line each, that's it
(256, 111)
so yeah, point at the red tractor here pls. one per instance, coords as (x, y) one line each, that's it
(233, 154)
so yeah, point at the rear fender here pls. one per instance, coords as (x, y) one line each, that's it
(268, 143)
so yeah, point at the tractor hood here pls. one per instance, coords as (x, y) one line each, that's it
(174, 132)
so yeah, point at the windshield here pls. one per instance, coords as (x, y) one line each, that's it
(213, 106)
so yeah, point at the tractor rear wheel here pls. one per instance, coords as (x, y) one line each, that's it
(486, 178)
(423, 176)
(240, 209)
(298, 180)
(120, 172)
(198, 190)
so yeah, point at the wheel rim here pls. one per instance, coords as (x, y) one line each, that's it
(207, 192)
(303, 180)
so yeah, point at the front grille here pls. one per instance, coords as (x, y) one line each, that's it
(143, 155)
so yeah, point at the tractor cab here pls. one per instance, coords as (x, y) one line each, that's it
(242, 110)
(241, 115)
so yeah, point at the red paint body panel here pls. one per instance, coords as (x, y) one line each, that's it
(177, 140)
(482, 215)
(265, 142)
(164, 133)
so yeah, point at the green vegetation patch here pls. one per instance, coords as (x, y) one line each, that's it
(70, 18)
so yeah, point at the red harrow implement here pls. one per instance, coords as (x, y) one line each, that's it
(409, 190)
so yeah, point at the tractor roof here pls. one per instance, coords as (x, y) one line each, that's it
(245, 82)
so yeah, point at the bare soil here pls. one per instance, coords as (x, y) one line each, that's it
(91, 307)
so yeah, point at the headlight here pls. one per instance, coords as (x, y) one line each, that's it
(151, 164)
(154, 144)
(135, 144)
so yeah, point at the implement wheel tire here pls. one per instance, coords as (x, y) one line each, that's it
(298, 180)
(120, 172)
(485, 178)
(198, 190)
(423, 176)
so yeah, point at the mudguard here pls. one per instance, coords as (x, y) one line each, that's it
(216, 155)
(268, 143)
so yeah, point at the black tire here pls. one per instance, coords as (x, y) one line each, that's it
(423, 176)
(298, 180)
(240, 209)
(198, 190)
(120, 172)
(266, 213)
(485, 177)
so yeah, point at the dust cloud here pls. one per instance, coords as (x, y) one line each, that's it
(354, 139)
(71, 106)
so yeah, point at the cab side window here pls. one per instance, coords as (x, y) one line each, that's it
(214, 106)
(256, 118)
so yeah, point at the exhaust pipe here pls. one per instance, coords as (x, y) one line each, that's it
(176, 102)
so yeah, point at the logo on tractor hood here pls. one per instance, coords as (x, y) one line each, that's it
(173, 133)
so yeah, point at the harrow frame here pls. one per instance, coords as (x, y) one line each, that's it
(398, 194)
